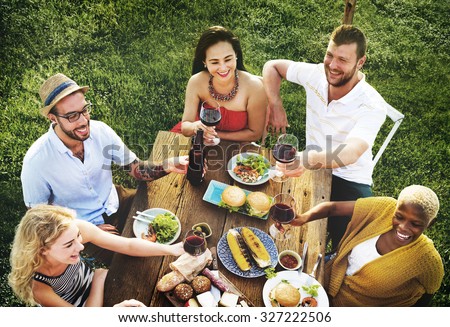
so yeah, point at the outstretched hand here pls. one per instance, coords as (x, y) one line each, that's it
(130, 303)
(177, 249)
(177, 164)
(300, 220)
(293, 169)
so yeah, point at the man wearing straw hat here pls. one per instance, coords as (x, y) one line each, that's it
(70, 165)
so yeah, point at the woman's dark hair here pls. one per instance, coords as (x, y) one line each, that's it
(210, 37)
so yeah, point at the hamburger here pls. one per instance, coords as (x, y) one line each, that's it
(232, 198)
(284, 295)
(258, 204)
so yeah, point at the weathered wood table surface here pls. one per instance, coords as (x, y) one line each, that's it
(132, 277)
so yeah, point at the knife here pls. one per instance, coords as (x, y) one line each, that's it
(313, 272)
(215, 265)
(305, 249)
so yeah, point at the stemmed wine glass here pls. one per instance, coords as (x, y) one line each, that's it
(210, 116)
(282, 212)
(284, 151)
(194, 242)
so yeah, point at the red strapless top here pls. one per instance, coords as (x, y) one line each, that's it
(231, 121)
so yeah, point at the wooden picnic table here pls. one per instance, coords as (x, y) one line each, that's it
(134, 277)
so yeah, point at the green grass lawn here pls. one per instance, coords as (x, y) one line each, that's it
(136, 56)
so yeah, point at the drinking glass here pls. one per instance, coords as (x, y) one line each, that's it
(194, 242)
(210, 115)
(284, 151)
(282, 212)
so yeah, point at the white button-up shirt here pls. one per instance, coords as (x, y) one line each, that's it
(51, 174)
(360, 114)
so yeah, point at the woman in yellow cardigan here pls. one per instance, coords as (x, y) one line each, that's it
(384, 259)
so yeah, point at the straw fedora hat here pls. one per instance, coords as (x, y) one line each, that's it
(55, 88)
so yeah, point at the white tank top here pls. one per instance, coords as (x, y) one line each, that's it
(361, 254)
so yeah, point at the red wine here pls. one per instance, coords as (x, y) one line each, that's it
(194, 245)
(282, 213)
(210, 117)
(284, 153)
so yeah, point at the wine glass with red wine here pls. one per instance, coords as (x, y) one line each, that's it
(194, 242)
(282, 212)
(210, 115)
(284, 151)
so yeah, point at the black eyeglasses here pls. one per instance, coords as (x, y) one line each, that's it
(74, 116)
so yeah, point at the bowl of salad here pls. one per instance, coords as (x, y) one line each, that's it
(157, 225)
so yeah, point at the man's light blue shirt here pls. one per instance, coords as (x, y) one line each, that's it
(51, 174)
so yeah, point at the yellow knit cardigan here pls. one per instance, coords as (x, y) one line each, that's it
(398, 278)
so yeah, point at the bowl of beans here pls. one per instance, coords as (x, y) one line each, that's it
(289, 260)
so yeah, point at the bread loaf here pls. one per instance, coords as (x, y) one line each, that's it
(169, 281)
(183, 292)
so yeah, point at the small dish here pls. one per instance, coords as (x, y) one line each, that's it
(290, 260)
(204, 228)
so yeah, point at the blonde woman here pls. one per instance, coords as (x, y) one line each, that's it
(384, 259)
(46, 267)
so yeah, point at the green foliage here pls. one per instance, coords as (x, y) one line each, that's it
(136, 56)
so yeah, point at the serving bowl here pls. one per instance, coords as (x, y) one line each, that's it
(290, 260)
(203, 227)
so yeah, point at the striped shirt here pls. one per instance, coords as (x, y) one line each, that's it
(73, 285)
(359, 114)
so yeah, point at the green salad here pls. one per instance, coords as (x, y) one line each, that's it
(312, 290)
(166, 226)
(256, 162)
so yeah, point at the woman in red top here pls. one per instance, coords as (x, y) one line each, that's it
(218, 73)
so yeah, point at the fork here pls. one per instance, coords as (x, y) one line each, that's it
(145, 214)
(313, 272)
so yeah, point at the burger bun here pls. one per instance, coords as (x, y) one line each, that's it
(233, 196)
(284, 295)
(259, 203)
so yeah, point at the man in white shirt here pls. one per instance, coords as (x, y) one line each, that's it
(343, 116)
(70, 165)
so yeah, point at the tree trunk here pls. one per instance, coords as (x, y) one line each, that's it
(349, 10)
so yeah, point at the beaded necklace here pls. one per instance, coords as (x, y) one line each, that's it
(224, 97)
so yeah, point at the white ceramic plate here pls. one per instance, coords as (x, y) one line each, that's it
(140, 227)
(225, 256)
(297, 280)
(233, 163)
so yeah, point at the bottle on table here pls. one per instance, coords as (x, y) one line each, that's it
(195, 173)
